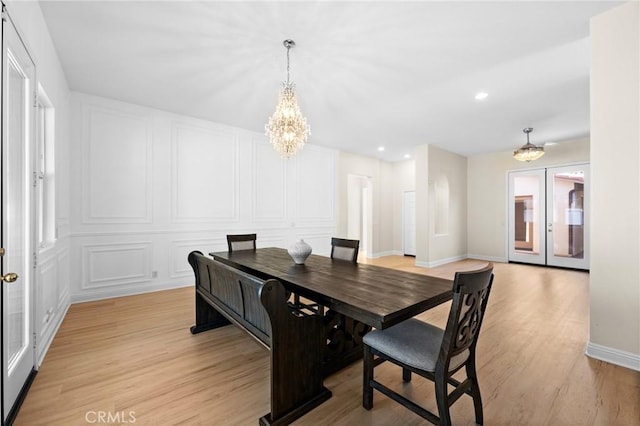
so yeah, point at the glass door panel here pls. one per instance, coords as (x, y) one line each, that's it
(567, 218)
(526, 216)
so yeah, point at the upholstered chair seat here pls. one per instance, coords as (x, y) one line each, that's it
(414, 343)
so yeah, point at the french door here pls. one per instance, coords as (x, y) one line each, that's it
(549, 216)
(16, 254)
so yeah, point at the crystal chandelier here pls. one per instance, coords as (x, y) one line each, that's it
(287, 128)
(528, 152)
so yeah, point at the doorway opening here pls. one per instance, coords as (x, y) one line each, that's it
(409, 223)
(359, 211)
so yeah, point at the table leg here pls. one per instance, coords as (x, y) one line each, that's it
(297, 345)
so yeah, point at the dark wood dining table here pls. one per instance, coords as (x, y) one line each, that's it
(373, 295)
(353, 297)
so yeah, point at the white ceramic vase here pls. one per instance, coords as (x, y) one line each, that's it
(299, 252)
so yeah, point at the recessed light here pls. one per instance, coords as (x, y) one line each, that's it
(407, 156)
(550, 143)
(481, 95)
(381, 148)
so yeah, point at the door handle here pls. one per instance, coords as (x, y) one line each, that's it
(9, 278)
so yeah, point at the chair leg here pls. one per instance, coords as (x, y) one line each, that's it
(442, 399)
(367, 376)
(475, 391)
(406, 375)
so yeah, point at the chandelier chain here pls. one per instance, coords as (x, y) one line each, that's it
(288, 49)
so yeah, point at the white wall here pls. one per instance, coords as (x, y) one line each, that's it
(487, 186)
(148, 187)
(447, 240)
(435, 167)
(421, 156)
(615, 212)
(52, 274)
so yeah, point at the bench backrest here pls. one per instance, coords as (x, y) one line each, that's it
(235, 294)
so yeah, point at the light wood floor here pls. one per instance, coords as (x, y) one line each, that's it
(134, 356)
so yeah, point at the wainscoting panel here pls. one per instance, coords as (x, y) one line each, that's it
(51, 294)
(117, 155)
(180, 250)
(106, 265)
(318, 239)
(64, 277)
(266, 240)
(46, 293)
(269, 183)
(204, 166)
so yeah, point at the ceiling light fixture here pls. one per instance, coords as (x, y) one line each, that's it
(481, 95)
(287, 128)
(528, 152)
(381, 148)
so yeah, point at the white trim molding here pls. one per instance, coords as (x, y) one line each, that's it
(497, 259)
(384, 253)
(440, 262)
(130, 290)
(613, 356)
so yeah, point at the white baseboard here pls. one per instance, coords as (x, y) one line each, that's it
(385, 253)
(488, 258)
(613, 356)
(440, 262)
(45, 348)
(88, 296)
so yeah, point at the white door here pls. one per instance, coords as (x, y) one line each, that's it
(18, 125)
(527, 216)
(567, 216)
(409, 223)
(549, 216)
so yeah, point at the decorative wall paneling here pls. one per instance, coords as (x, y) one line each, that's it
(181, 248)
(51, 294)
(183, 184)
(204, 161)
(117, 160)
(269, 198)
(105, 265)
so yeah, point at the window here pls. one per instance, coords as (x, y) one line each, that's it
(45, 170)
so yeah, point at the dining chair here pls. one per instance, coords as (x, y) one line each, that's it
(241, 242)
(434, 353)
(345, 249)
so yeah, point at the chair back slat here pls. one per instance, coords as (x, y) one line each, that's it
(345, 249)
(470, 294)
(241, 242)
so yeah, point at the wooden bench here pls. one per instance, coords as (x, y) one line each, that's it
(226, 295)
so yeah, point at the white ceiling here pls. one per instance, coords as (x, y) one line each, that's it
(368, 74)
